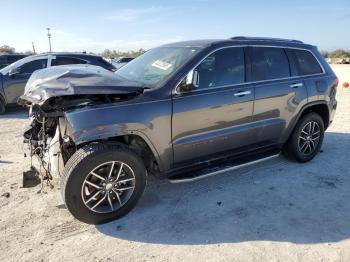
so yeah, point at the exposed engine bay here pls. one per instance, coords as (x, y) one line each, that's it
(51, 92)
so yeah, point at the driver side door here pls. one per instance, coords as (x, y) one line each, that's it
(14, 83)
(215, 117)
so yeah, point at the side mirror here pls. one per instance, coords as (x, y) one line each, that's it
(190, 82)
(14, 71)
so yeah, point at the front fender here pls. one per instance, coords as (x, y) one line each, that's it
(149, 120)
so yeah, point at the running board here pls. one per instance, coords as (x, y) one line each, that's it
(217, 170)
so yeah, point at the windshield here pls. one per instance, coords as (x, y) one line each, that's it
(157, 64)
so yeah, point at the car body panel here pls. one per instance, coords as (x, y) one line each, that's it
(211, 121)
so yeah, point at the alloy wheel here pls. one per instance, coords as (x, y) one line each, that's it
(108, 187)
(309, 138)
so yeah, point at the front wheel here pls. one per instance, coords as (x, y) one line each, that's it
(306, 139)
(101, 183)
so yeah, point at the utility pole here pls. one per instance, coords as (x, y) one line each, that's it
(33, 47)
(49, 36)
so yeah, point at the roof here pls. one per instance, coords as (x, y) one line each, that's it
(64, 53)
(241, 40)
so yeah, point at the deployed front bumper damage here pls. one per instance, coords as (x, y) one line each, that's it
(45, 154)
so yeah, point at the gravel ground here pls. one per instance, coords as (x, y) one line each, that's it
(276, 211)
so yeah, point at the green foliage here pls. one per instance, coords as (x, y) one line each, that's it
(113, 53)
(7, 49)
(339, 53)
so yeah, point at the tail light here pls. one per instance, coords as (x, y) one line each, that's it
(346, 84)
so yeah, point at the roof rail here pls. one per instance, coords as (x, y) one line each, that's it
(265, 39)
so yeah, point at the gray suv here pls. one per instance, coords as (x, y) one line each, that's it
(183, 111)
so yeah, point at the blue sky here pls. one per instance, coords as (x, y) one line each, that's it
(129, 25)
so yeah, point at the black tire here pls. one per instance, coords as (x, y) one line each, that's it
(78, 169)
(2, 105)
(295, 146)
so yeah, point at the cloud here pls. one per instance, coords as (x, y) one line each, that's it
(129, 15)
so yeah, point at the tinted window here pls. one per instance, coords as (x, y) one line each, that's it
(269, 63)
(223, 67)
(66, 61)
(103, 63)
(14, 58)
(30, 67)
(306, 62)
(126, 60)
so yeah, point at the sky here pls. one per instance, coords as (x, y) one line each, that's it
(94, 26)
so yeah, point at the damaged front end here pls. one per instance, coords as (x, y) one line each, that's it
(52, 92)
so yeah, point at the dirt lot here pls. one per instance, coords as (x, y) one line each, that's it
(276, 211)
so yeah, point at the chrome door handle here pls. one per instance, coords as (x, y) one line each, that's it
(243, 93)
(296, 85)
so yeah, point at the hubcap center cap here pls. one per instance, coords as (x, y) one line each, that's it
(109, 186)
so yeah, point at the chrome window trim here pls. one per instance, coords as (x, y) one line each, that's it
(176, 91)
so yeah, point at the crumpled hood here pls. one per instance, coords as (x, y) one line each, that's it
(70, 80)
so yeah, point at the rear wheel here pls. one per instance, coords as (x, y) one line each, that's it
(102, 183)
(307, 138)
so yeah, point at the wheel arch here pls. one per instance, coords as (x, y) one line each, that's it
(319, 107)
(136, 141)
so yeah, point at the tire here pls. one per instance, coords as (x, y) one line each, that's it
(296, 147)
(2, 105)
(89, 166)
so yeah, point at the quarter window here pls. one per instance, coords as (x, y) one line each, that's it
(31, 66)
(306, 62)
(223, 67)
(269, 63)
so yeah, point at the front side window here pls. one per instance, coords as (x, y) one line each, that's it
(269, 63)
(63, 60)
(306, 63)
(31, 66)
(156, 65)
(221, 68)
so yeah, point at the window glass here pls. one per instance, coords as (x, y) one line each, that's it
(152, 68)
(223, 67)
(66, 61)
(31, 66)
(306, 62)
(126, 60)
(269, 63)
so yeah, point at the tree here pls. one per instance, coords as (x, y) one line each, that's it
(113, 54)
(7, 49)
(340, 53)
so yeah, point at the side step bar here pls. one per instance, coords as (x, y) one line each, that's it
(217, 170)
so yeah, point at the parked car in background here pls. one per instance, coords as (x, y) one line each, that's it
(121, 61)
(208, 105)
(14, 77)
(7, 59)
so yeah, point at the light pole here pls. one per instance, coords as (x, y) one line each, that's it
(49, 36)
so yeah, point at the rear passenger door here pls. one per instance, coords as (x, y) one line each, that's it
(278, 94)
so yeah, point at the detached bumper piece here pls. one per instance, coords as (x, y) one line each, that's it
(31, 178)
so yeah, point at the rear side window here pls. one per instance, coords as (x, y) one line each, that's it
(63, 60)
(306, 62)
(269, 63)
(31, 66)
(223, 67)
(103, 63)
(126, 60)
